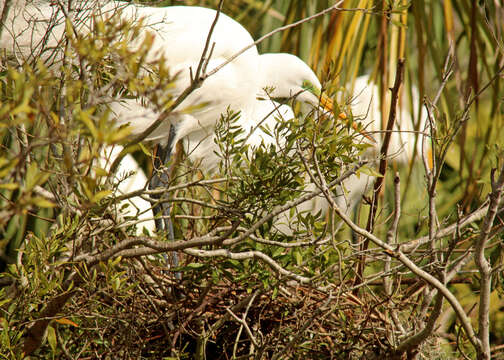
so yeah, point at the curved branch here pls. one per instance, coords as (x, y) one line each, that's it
(252, 254)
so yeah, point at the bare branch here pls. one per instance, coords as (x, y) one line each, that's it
(392, 232)
(476, 215)
(252, 254)
(484, 266)
(4, 14)
(379, 182)
(277, 30)
(242, 321)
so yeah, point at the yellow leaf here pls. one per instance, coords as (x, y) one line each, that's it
(192, 108)
(119, 134)
(65, 321)
(55, 118)
(9, 186)
(85, 118)
(100, 195)
(42, 202)
(22, 108)
(6, 166)
(100, 171)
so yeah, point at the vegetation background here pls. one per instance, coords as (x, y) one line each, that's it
(96, 304)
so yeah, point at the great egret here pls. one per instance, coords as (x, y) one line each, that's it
(181, 45)
(180, 34)
(237, 85)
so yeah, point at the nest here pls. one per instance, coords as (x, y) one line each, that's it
(158, 315)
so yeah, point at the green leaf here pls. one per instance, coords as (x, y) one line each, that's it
(5, 333)
(34, 176)
(5, 301)
(115, 261)
(195, 265)
(189, 267)
(51, 338)
(116, 284)
(298, 257)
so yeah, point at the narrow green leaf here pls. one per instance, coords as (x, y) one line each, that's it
(51, 338)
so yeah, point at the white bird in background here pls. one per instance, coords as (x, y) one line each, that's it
(130, 177)
(365, 107)
(237, 85)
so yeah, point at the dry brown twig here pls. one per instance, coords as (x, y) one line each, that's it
(379, 182)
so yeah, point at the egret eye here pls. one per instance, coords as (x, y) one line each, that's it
(308, 86)
(282, 100)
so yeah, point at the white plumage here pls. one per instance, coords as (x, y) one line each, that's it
(366, 108)
(131, 178)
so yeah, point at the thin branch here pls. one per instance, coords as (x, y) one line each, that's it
(159, 246)
(484, 266)
(277, 30)
(301, 331)
(5, 14)
(252, 254)
(392, 232)
(242, 321)
(287, 245)
(379, 182)
(417, 339)
(173, 188)
(476, 215)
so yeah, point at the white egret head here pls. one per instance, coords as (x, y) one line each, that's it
(287, 76)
